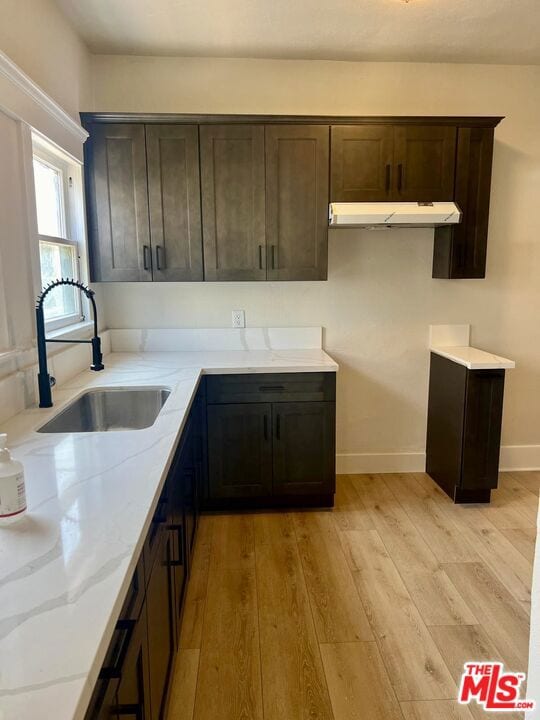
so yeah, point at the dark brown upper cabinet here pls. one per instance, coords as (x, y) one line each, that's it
(259, 210)
(377, 163)
(297, 158)
(174, 196)
(233, 202)
(460, 250)
(117, 200)
(424, 160)
(362, 161)
(144, 202)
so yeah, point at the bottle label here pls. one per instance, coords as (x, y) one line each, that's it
(12, 496)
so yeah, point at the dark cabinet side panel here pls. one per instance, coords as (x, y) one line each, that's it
(482, 432)
(460, 251)
(297, 169)
(233, 202)
(304, 448)
(174, 201)
(239, 450)
(361, 163)
(424, 159)
(446, 408)
(115, 159)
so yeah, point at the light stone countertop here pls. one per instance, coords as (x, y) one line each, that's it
(473, 358)
(66, 567)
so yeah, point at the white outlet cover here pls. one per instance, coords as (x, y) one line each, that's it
(238, 319)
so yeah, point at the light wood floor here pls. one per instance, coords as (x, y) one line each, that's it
(365, 612)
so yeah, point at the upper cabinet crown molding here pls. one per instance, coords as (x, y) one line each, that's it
(204, 119)
(20, 80)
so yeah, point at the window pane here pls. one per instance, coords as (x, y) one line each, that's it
(59, 261)
(49, 202)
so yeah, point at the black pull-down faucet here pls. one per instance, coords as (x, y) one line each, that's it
(45, 381)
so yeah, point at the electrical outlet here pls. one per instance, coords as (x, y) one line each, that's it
(238, 319)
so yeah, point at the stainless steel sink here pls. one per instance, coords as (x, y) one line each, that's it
(111, 409)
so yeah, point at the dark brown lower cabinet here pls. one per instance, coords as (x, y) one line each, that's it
(134, 680)
(133, 695)
(464, 429)
(160, 608)
(240, 450)
(271, 440)
(304, 448)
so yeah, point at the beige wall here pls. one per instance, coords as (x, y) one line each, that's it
(38, 38)
(380, 297)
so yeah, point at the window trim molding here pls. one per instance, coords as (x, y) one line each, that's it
(75, 227)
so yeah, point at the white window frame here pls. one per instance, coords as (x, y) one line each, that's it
(73, 219)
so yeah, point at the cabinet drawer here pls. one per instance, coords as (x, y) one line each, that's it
(271, 387)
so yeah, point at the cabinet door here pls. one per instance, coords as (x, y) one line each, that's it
(361, 163)
(460, 250)
(424, 160)
(175, 201)
(232, 188)
(134, 689)
(482, 429)
(239, 450)
(177, 529)
(160, 608)
(304, 448)
(297, 163)
(115, 167)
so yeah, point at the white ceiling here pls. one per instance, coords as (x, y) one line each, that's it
(491, 31)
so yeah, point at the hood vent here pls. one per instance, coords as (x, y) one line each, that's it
(393, 214)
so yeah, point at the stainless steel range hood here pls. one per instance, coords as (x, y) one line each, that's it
(392, 214)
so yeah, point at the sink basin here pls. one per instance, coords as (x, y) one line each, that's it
(111, 409)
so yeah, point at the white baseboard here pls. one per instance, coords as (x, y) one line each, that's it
(380, 462)
(520, 457)
(513, 457)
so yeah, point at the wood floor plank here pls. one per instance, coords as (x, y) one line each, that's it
(349, 511)
(337, 611)
(184, 685)
(495, 551)
(437, 599)
(273, 527)
(459, 645)
(294, 685)
(229, 682)
(501, 615)
(431, 520)
(435, 710)
(414, 663)
(306, 523)
(523, 539)
(195, 599)
(432, 591)
(358, 683)
(233, 544)
(529, 480)
(511, 505)
(404, 543)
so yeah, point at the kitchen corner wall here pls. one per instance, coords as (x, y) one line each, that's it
(38, 39)
(380, 298)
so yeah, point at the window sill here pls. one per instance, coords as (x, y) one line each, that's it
(71, 331)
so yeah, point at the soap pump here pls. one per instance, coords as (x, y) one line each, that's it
(12, 488)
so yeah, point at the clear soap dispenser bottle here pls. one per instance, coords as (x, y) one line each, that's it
(12, 488)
